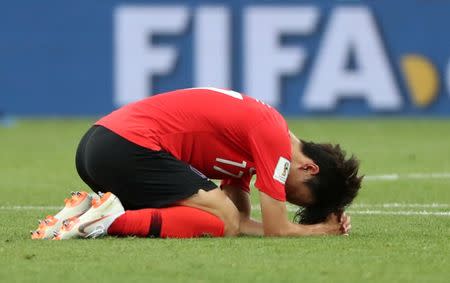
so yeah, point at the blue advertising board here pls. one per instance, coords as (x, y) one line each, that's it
(351, 58)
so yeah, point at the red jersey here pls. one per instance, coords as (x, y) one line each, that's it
(222, 133)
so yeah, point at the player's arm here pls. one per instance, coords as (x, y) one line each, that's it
(276, 223)
(241, 200)
(271, 149)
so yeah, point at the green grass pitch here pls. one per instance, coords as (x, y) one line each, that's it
(401, 223)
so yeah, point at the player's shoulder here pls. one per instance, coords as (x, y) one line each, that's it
(269, 115)
(232, 102)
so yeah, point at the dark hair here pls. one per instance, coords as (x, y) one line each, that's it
(334, 187)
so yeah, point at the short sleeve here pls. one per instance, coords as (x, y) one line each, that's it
(271, 149)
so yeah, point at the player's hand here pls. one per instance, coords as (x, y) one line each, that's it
(346, 225)
(338, 224)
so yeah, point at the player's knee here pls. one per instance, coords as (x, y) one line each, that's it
(228, 213)
(231, 221)
(217, 203)
(231, 217)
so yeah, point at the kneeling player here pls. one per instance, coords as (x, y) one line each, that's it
(157, 156)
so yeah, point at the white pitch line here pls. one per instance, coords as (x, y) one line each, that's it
(399, 176)
(28, 207)
(405, 213)
(400, 205)
(292, 208)
(410, 176)
(393, 205)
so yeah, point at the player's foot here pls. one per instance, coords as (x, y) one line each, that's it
(95, 222)
(75, 206)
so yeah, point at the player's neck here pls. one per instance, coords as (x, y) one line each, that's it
(295, 150)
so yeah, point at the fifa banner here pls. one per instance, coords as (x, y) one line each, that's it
(350, 58)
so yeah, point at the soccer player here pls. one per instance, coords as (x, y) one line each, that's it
(157, 157)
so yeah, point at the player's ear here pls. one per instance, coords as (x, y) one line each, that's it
(312, 168)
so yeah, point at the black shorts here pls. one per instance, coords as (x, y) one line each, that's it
(139, 177)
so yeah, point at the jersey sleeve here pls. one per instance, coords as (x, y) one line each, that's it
(271, 149)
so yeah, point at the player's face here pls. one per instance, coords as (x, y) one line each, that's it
(299, 194)
(301, 170)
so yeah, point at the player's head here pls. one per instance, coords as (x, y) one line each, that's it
(326, 181)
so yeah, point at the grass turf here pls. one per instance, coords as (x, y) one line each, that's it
(37, 169)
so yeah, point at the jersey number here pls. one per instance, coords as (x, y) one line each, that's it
(243, 165)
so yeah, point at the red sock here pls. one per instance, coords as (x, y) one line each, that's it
(171, 222)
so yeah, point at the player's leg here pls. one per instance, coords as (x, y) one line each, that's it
(204, 213)
(142, 178)
(171, 222)
(216, 202)
(107, 216)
